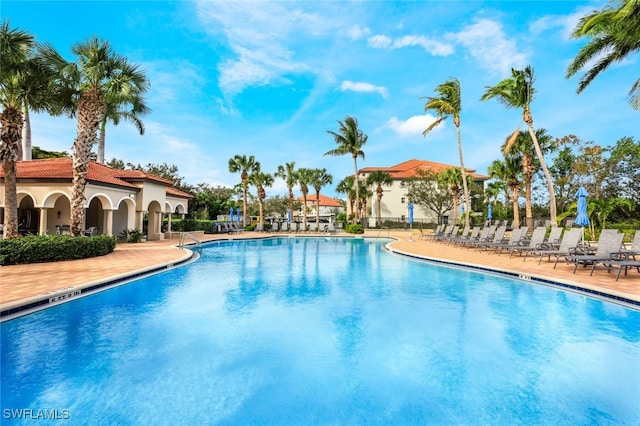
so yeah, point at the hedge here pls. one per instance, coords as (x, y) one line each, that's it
(51, 248)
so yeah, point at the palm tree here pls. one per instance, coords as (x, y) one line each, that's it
(378, 178)
(614, 33)
(517, 92)
(305, 178)
(16, 49)
(260, 180)
(508, 171)
(449, 103)
(289, 175)
(246, 166)
(346, 186)
(523, 151)
(83, 89)
(452, 179)
(350, 141)
(122, 106)
(319, 178)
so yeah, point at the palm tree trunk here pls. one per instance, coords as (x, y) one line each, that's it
(379, 208)
(91, 109)
(467, 199)
(304, 211)
(101, 138)
(528, 210)
(317, 210)
(26, 134)
(357, 188)
(291, 199)
(516, 211)
(10, 134)
(454, 194)
(244, 202)
(547, 175)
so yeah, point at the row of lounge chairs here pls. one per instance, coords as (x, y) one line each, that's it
(297, 227)
(609, 253)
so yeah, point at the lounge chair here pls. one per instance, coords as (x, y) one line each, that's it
(438, 231)
(447, 232)
(553, 240)
(473, 235)
(609, 242)
(534, 243)
(515, 236)
(485, 236)
(274, 227)
(496, 237)
(259, 227)
(620, 264)
(293, 227)
(313, 227)
(570, 240)
(453, 234)
(330, 228)
(465, 233)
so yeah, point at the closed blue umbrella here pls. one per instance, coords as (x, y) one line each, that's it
(288, 216)
(410, 213)
(489, 212)
(238, 214)
(582, 219)
(230, 214)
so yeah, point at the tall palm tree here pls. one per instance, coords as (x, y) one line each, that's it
(305, 178)
(319, 178)
(122, 106)
(517, 92)
(260, 180)
(508, 171)
(83, 89)
(614, 33)
(246, 166)
(289, 175)
(378, 178)
(449, 103)
(345, 186)
(350, 141)
(522, 150)
(16, 49)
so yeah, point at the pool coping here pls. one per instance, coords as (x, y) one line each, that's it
(611, 296)
(28, 305)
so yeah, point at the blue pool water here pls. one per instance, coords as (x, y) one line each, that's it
(324, 331)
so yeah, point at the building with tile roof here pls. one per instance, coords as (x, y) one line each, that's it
(329, 207)
(115, 199)
(395, 203)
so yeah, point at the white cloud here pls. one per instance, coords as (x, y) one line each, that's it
(357, 32)
(488, 44)
(566, 23)
(413, 126)
(433, 47)
(260, 34)
(364, 88)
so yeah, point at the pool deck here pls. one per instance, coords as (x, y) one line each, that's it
(21, 285)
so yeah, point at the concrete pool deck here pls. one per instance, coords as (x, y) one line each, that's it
(21, 285)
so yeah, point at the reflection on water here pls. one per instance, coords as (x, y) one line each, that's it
(326, 330)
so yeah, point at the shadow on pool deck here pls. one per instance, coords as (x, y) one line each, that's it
(21, 284)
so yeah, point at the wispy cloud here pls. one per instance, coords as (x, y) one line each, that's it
(364, 88)
(487, 42)
(433, 47)
(260, 35)
(357, 32)
(412, 126)
(566, 23)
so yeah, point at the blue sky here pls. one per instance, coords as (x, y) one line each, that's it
(270, 78)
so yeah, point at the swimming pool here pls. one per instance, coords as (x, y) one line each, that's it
(324, 331)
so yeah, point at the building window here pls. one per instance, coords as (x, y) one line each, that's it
(402, 200)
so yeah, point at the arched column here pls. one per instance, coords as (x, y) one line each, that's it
(42, 226)
(108, 222)
(139, 219)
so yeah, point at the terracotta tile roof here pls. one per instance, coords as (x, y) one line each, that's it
(324, 200)
(61, 169)
(409, 168)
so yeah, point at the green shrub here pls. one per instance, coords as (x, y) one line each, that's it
(132, 235)
(188, 225)
(51, 248)
(354, 228)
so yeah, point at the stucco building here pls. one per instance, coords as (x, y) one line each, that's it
(115, 199)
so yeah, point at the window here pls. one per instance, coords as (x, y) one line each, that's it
(402, 200)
